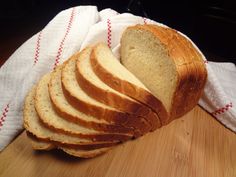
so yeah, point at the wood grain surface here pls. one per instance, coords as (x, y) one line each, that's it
(194, 145)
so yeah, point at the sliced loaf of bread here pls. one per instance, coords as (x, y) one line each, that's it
(38, 144)
(81, 101)
(49, 116)
(114, 74)
(168, 65)
(36, 127)
(64, 109)
(97, 89)
(92, 102)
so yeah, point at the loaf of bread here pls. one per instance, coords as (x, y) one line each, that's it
(92, 102)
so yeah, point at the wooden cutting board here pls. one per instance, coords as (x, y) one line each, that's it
(195, 145)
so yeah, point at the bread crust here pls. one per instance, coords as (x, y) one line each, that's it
(128, 88)
(190, 68)
(115, 100)
(140, 125)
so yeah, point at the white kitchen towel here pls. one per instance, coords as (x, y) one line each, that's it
(73, 29)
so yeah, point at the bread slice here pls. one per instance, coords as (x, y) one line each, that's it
(64, 109)
(49, 116)
(38, 144)
(167, 63)
(85, 153)
(33, 125)
(114, 74)
(97, 89)
(81, 101)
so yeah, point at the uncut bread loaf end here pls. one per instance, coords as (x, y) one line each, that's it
(167, 63)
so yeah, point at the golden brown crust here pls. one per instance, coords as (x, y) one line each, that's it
(129, 89)
(140, 125)
(115, 100)
(192, 73)
(189, 66)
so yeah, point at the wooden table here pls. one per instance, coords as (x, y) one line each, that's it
(194, 145)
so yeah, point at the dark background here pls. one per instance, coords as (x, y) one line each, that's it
(210, 24)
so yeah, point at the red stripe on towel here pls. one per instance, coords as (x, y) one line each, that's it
(4, 115)
(109, 33)
(223, 109)
(59, 52)
(37, 49)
